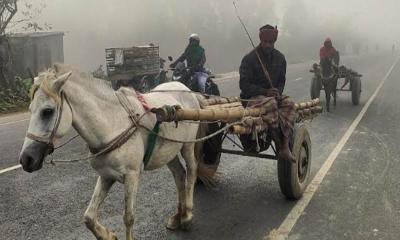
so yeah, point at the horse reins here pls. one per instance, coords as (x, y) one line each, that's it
(116, 142)
(123, 137)
(49, 141)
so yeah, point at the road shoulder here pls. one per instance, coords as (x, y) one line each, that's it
(358, 199)
(13, 117)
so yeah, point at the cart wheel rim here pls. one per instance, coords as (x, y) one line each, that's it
(303, 163)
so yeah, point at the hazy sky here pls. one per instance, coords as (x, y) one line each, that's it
(90, 26)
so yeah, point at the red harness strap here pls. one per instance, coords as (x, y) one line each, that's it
(143, 101)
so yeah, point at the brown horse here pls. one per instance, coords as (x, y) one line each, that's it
(329, 77)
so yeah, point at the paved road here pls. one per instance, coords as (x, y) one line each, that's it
(357, 200)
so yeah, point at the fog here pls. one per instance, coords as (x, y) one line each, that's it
(90, 26)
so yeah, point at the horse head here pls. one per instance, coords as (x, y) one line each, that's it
(51, 118)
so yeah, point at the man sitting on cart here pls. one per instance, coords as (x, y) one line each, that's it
(254, 83)
(329, 57)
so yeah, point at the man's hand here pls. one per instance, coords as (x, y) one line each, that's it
(272, 92)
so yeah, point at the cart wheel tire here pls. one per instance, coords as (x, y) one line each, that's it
(356, 90)
(144, 87)
(115, 84)
(208, 153)
(294, 177)
(315, 88)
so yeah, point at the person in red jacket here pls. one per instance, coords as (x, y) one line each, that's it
(328, 55)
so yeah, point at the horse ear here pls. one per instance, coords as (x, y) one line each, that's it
(60, 81)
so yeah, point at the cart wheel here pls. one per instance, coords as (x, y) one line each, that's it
(208, 153)
(115, 84)
(293, 178)
(355, 85)
(315, 88)
(144, 86)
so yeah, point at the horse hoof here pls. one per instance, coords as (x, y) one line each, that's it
(111, 237)
(186, 222)
(174, 223)
(186, 226)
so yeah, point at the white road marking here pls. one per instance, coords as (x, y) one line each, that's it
(10, 169)
(8, 123)
(287, 225)
(298, 79)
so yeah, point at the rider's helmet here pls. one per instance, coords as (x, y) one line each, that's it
(194, 37)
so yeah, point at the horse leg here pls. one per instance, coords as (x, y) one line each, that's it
(327, 97)
(191, 166)
(100, 192)
(179, 173)
(334, 89)
(334, 97)
(131, 182)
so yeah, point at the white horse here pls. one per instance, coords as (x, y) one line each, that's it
(64, 97)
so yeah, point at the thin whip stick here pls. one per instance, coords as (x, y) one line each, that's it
(264, 68)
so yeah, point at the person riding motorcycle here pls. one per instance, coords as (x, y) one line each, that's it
(255, 85)
(195, 57)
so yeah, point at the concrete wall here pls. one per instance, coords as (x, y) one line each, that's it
(36, 52)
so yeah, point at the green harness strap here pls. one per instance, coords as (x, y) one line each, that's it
(152, 139)
(151, 143)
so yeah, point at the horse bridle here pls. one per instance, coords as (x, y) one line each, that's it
(49, 141)
(115, 143)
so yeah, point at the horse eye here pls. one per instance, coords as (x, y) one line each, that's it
(47, 113)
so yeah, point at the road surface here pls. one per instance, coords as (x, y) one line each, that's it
(357, 199)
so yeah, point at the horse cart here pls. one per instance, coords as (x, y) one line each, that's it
(327, 79)
(227, 119)
(137, 67)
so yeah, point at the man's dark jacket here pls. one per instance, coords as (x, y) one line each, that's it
(253, 81)
(195, 57)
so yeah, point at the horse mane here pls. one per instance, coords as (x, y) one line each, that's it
(43, 82)
(86, 80)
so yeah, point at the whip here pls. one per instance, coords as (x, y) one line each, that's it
(264, 68)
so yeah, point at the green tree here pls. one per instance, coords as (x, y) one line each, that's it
(14, 91)
(8, 8)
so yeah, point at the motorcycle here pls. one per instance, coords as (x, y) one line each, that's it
(197, 81)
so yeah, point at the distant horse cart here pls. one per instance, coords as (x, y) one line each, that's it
(138, 67)
(327, 79)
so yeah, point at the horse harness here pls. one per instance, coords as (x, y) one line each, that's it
(123, 137)
(116, 142)
(49, 141)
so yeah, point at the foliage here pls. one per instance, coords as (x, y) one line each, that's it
(8, 8)
(16, 98)
(14, 91)
(27, 18)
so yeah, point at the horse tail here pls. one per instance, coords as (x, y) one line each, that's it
(205, 173)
